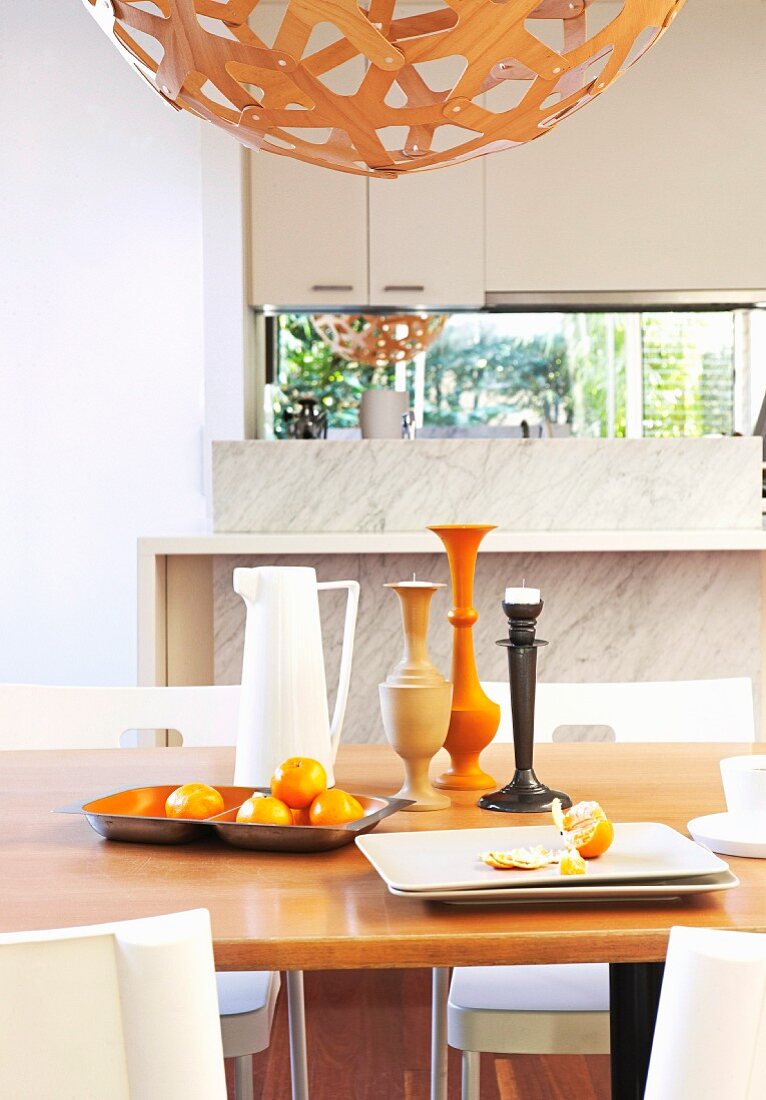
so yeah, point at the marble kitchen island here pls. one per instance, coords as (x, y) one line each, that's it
(649, 554)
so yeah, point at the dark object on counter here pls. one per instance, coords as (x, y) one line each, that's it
(306, 418)
(525, 793)
(408, 424)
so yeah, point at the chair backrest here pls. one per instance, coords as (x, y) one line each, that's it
(678, 710)
(40, 717)
(710, 1038)
(125, 1011)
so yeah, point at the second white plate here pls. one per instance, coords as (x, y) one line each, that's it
(660, 890)
(450, 859)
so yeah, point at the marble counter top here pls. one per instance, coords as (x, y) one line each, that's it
(552, 487)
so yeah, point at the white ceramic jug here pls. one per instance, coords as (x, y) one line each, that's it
(283, 706)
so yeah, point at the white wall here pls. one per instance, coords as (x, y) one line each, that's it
(101, 351)
(226, 318)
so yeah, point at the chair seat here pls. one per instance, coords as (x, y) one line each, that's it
(530, 1009)
(246, 1002)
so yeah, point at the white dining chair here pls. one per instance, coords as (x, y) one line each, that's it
(710, 1035)
(564, 1009)
(34, 716)
(124, 1011)
(672, 710)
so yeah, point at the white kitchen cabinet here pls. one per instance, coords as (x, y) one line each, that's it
(658, 185)
(427, 230)
(328, 238)
(320, 237)
(427, 238)
(308, 225)
(308, 231)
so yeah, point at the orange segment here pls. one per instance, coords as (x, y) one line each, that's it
(572, 863)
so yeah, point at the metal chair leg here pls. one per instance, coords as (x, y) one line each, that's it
(243, 1077)
(297, 1024)
(470, 1076)
(439, 994)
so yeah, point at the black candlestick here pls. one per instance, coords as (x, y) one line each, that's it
(525, 793)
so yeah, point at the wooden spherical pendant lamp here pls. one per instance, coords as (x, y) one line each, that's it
(377, 340)
(429, 86)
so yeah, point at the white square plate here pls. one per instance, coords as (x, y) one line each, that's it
(450, 859)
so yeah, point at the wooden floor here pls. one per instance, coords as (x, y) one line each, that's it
(368, 1039)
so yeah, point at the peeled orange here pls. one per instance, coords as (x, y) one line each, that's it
(584, 827)
(194, 800)
(335, 807)
(263, 809)
(298, 781)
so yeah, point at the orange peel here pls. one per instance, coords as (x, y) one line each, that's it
(521, 859)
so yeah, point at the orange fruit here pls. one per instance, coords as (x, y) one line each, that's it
(262, 809)
(195, 800)
(600, 839)
(584, 827)
(298, 781)
(335, 807)
(301, 817)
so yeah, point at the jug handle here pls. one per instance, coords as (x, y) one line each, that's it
(347, 653)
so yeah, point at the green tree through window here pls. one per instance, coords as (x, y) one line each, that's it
(564, 371)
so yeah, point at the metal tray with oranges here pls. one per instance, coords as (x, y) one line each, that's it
(138, 816)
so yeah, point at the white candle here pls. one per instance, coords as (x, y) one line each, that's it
(522, 595)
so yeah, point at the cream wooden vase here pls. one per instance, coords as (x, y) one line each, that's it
(416, 700)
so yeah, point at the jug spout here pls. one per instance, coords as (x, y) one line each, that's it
(245, 582)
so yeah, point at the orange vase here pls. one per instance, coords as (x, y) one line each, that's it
(475, 717)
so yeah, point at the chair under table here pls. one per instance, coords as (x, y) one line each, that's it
(564, 1009)
(33, 716)
(123, 1011)
(710, 1035)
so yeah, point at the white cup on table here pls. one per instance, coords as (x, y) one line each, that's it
(744, 784)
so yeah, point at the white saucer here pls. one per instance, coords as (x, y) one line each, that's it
(732, 834)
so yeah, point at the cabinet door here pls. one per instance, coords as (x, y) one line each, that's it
(427, 238)
(658, 185)
(308, 234)
(308, 224)
(427, 230)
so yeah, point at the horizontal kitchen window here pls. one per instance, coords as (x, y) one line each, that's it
(556, 374)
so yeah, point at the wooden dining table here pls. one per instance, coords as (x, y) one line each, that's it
(331, 910)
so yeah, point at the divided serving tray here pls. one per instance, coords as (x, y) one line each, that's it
(138, 816)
